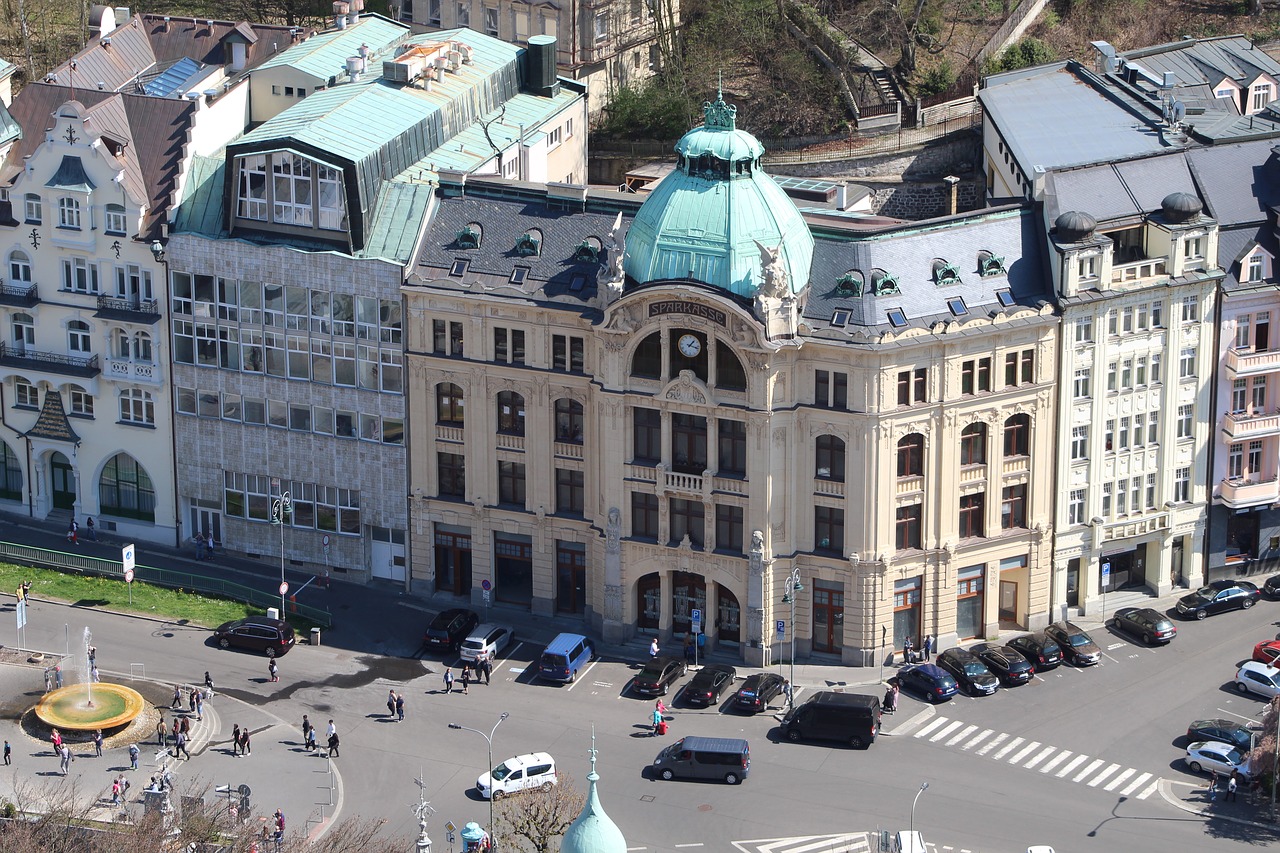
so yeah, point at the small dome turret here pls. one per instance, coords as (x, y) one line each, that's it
(1073, 226)
(593, 831)
(1180, 207)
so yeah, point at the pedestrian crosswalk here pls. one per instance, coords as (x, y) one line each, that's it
(858, 842)
(1041, 758)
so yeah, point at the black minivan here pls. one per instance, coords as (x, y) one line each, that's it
(852, 718)
(717, 758)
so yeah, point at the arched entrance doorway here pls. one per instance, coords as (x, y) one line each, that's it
(649, 601)
(688, 593)
(728, 616)
(63, 481)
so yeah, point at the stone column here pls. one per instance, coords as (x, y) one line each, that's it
(755, 649)
(614, 630)
(664, 604)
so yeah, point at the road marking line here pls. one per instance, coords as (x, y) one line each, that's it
(584, 672)
(1000, 738)
(499, 663)
(948, 729)
(827, 842)
(964, 734)
(1057, 759)
(1040, 756)
(1114, 646)
(1234, 714)
(699, 844)
(931, 726)
(1149, 790)
(1012, 745)
(629, 849)
(1110, 658)
(1136, 784)
(1072, 765)
(1098, 780)
(1119, 780)
(1022, 753)
(977, 739)
(1094, 765)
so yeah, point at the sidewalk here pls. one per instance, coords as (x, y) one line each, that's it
(279, 772)
(1193, 798)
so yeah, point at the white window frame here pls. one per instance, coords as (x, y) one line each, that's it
(1075, 506)
(81, 401)
(1255, 267)
(19, 267)
(69, 213)
(251, 187)
(137, 407)
(33, 209)
(332, 203)
(291, 193)
(116, 219)
(79, 337)
(25, 394)
(79, 275)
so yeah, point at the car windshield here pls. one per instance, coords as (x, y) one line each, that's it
(473, 644)
(1235, 757)
(1206, 592)
(972, 668)
(501, 772)
(1078, 639)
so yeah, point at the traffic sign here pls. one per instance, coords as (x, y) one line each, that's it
(22, 613)
(485, 585)
(696, 615)
(1106, 574)
(449, 827)
(127, 556)
(284, 587)
(485, 595)
(128, 575)
(782, 628)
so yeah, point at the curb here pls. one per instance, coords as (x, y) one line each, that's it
(1166, 793)
(926, 713)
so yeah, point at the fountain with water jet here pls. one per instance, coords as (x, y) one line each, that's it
(87, 706)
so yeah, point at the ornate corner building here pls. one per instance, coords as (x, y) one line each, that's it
(625, 412)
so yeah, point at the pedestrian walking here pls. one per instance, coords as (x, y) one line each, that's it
(891, 698)
(198, 541)
(64, 759)
(907, 647)
(279, 816)
(466, 677)
(177, 727)
(55, 737)
(97, 743)
(273, 669)
(57, 675)
(245, 746)
(1213, 785)
(176, 704)
(308, 733)
(124, 787)
(486, 666)
(928, 646)
(93, 656)
(235, 739)
(161, 731)
(448, 679)
(93, 675)
(73, 533)
(133, 756)
(115, 792)
(333, 740)
(653, 648)
(8, 753)
(657, 721)
(208, 544)
(1231, 787)
(391, 703)
(90, 530)
(786, 692)
(191, 700)
(199, 708)
(208, 685)
(180, 746)
(400, 708)
(186, 725)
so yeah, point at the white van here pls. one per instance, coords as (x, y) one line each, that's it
(535, 770)
(909, 842)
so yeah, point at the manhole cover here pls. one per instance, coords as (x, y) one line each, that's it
(705, 807)
(647, 798)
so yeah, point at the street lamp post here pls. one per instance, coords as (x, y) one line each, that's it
(789, 597)
(281, 507)
(924, 786)
(488, 739)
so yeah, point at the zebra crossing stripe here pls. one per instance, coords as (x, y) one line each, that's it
(1012, 745)
(977, 739)
(1057, 759)
(964, 734)
(1040, 756)
(1097, 762)
(1097, 780)
(1136, 784)
(999, 739)
(1149, 790)
(946, 730)
(1075, 762)
(1119, 780)
(1024, 752)
(931, 726)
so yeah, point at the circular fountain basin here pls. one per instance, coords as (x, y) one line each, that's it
(68, 707)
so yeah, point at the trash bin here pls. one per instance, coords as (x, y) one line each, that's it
(273, 612)
(315, 636)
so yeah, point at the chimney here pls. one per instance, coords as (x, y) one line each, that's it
(166, 24)
(123, 13)
(105, 41)
(953, 183)
(340, 9)
(540, 67)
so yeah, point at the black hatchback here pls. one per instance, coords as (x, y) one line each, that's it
(272, 637)
(931, 682)
(656, 677)
(705, 687)
(1043, 652)
(450, 627)
(1005, 662)
(969, 672)
(758, 691)
(1222, 731)
(1146, 622)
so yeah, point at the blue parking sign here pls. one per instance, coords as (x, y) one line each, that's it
(782, 628)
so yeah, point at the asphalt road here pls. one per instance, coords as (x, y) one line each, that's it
(1069, 760)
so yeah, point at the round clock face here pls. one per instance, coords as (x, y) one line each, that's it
(689, 346)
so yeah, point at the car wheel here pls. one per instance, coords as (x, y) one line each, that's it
(546, 786)
(664, 690)
(271, 651)
(1248, 602)
(1201, 613)
(497, 795)
(1149, 640)
(1242, 687)
(932, 699)
(731, 778)
(224, 643)
(793, 735)
(667, 775)
(1195, 766)
(573, 676)
(856, 742)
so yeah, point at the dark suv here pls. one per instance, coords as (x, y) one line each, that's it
(447, 631)
(273, 637)
(1041, 650)
(1077, 647)
(658, 674)
(1006, 662)
(969, 672)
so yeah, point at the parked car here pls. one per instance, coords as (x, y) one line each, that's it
(488, 639)
(1006, 662)
(1267, 651)
(758, 691)
(1077, 646)
(1259, 678)
(1211, 755)
(272, 637)
(1218, 597)
(564, 656)
(658, 674)
(969, 672)
(535, 770)
(852, 718)
(1221, 731)
(1042, 651)
(1145, 622)
(1271, 587)
(931, 682)
(450, 627)
(708, 684)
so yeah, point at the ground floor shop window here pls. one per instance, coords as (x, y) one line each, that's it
(513, 569)
(969, 602)
(906, 611)
(453, 562)
(728, 616)
(649, 602)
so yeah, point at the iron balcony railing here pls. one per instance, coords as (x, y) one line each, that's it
(76, 365)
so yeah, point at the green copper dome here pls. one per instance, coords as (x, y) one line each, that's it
(709, 218)
(593, 831)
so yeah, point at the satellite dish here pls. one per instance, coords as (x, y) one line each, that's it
(1179, 111)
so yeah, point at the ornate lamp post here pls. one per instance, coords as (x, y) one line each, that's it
(488, 738)
(281, 507)
(789, 597)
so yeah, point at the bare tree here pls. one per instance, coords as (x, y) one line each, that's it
(535, 820)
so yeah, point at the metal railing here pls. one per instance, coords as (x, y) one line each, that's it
(23, 294)
(55, 360)
(134, 306)
(169, 578)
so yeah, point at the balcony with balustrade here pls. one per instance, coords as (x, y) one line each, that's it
(133, 371)
(61, 364)
(1243, 363)
(1241, 426)
(1138, 272)
(128, 310)
(1242, 492)
(19, 294)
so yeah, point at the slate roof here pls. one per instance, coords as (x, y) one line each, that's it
(1239, 183)
(1127, 190)
(1232, 244)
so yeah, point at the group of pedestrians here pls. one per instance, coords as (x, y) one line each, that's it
(240, 741)
(1233, 783)
(204, 546)
(481, 668)
(395, 707)
(909, 653)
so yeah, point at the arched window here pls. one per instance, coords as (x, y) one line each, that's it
(647, 361)
(24, 331)
(19, 268)
(569, 421)
(81, 401)
(142, 347)
(78, 338)
(911, 455)
(1017, 436)
(125, 489)
(117, 222)
(449, 404)
(973, 444)
(137, 407)
(10, 474)
(510, 413)
(729, 373)
(830, 462)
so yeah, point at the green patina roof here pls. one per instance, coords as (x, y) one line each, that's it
(200, 210)
(705, 219)
(402, 211)
(325, 54)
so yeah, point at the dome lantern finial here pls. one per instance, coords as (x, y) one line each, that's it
(593, 777)
(717, 115)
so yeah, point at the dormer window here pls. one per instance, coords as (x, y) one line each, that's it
(945, 273)
(469, 236)
(1005, 297)
(530, 243)
(33, 211)
(897, 318)
(957, 306)
(588, 251)
(883, 284)
(849, 284)
(990, 264)
(459, 268)
(519, 274)
(1255, 267)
